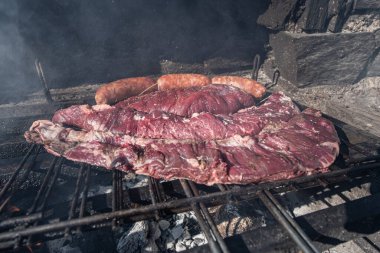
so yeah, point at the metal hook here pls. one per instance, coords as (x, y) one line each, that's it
(275, 77)
(256, 67)
(43, 81)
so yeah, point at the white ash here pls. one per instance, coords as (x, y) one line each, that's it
(302, 204)
(232, 219)
(176, 233)
(131, 180)
(134, 239)
(362, 23)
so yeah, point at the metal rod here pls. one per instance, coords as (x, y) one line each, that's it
(29, 168)
(114, 196)
(15, 221)
(75, 198)
(41, 75)
(84, 195)
(209, 219)
(41, 208)
(248, 192)
(221, 187)
(120, 190)
(43, 186)
(14, 175)
(275, 77)
(256, 67)
(291, 220)
(50, 187)
(201, 221)
(276, 210)
(153, 197)
(22, 180)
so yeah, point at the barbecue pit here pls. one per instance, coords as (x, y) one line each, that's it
(50, 204)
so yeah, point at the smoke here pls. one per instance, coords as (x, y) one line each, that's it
(17, 77)
(98, 41)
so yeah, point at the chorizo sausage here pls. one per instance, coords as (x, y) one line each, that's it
(118, 90)
(172, 81)
(248, 85)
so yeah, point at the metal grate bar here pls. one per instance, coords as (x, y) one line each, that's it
(41, 208)
(75, 198)
(201, 221)
(14, 175)
(50, 187)
(153, 197)
(41, 75)
(43, 186)
(117, 194)
(294, 230)
(256, 67)
(209, 219)
(246, 192)
(16, 187)
(120, 190)
(84, 195)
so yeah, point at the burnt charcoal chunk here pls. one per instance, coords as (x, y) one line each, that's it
(338, 11)
(315, 59)
(277, 13)
(314, 17)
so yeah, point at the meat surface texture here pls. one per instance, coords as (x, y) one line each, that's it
(219, 99)
(159, 124)
(259, 143)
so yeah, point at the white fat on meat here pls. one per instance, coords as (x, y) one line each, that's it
(237, 141)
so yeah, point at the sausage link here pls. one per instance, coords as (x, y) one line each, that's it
(173, 81)
(248, 85)
(121, 89)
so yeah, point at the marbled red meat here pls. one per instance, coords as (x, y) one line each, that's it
(269, 142)
(158, 124)
(216, 99)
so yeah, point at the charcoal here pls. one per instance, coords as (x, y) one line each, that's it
(276, 15)
(164, 224)
(315, 59)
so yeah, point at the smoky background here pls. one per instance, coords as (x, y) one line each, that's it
(99, 41)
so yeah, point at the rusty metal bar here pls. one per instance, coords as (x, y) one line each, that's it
(120, 190)
(293, 229)
(43, 186)
(41, 75)
(214, 247)
(152, 194)
(14, 175)
(256, 67)
(84, 195)
(75, 198)
(41, 208)
(50, 187)
(22, 180)
(209, 219)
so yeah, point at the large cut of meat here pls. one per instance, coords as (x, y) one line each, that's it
(258, 143)
(158, 124)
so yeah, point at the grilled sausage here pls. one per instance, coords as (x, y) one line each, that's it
(250, 86)
(118, 90)
(172, 81)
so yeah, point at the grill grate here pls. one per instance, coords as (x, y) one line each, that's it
(33, 224)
